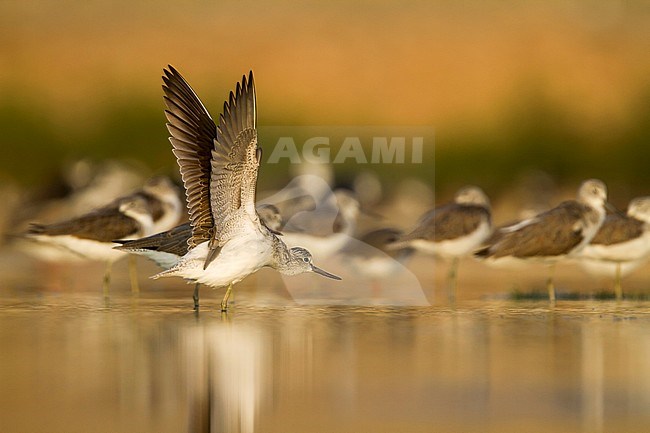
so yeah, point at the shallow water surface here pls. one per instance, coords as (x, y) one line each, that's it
(75, 363)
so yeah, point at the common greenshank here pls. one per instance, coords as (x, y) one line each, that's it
(622, 243)
(219, 166)
(91, 235)
(453, 230)
(167, 248)
(552, 235)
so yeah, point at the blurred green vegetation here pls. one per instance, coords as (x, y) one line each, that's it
(537, 135)
(534, 135)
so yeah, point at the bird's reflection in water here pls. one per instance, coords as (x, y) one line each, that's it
(155, 368)
(592, 380)
(224, 378)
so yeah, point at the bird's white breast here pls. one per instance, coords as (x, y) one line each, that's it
(238, 258)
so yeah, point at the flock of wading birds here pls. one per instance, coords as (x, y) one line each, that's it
(227, 237)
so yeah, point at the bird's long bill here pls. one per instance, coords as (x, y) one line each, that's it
(324, 273)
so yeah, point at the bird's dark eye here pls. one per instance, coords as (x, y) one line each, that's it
(305, 259)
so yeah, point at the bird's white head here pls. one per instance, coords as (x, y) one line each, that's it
(138, 208)
(593, 192)
(472, 195)
(639, 208)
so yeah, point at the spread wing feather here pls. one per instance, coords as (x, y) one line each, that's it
(193, 134)
(235, 162)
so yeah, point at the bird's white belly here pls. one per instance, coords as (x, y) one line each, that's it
(90, 249)
(237, 259)
(455, 247)
(604, 268)
(48, 252)
(622, 252)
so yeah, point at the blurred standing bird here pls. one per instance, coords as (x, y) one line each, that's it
(160, 196)
(622, 241)
(555, 234)
(91, 236)
(219, 166)
(453, 230)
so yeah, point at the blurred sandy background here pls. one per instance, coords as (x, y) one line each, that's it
(510, 87)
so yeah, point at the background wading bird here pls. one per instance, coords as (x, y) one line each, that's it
(452, 231)
(552, 235)
(622, 243)
(91, 236)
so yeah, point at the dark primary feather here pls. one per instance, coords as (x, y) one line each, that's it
(193, 134)
(102, 225)
(555, 232)
(618, 228)
(174, 241)
(448, 222)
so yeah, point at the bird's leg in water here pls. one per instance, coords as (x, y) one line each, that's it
(195, 296)
(224, 303)
(618, 289)
(452, 278)
(550, 287)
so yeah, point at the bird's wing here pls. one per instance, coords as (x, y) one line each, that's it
(554, 232)
(103, 225)
(618, 228)
(174, 241)
(193, 135)
(448, 222)
(235, 162)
